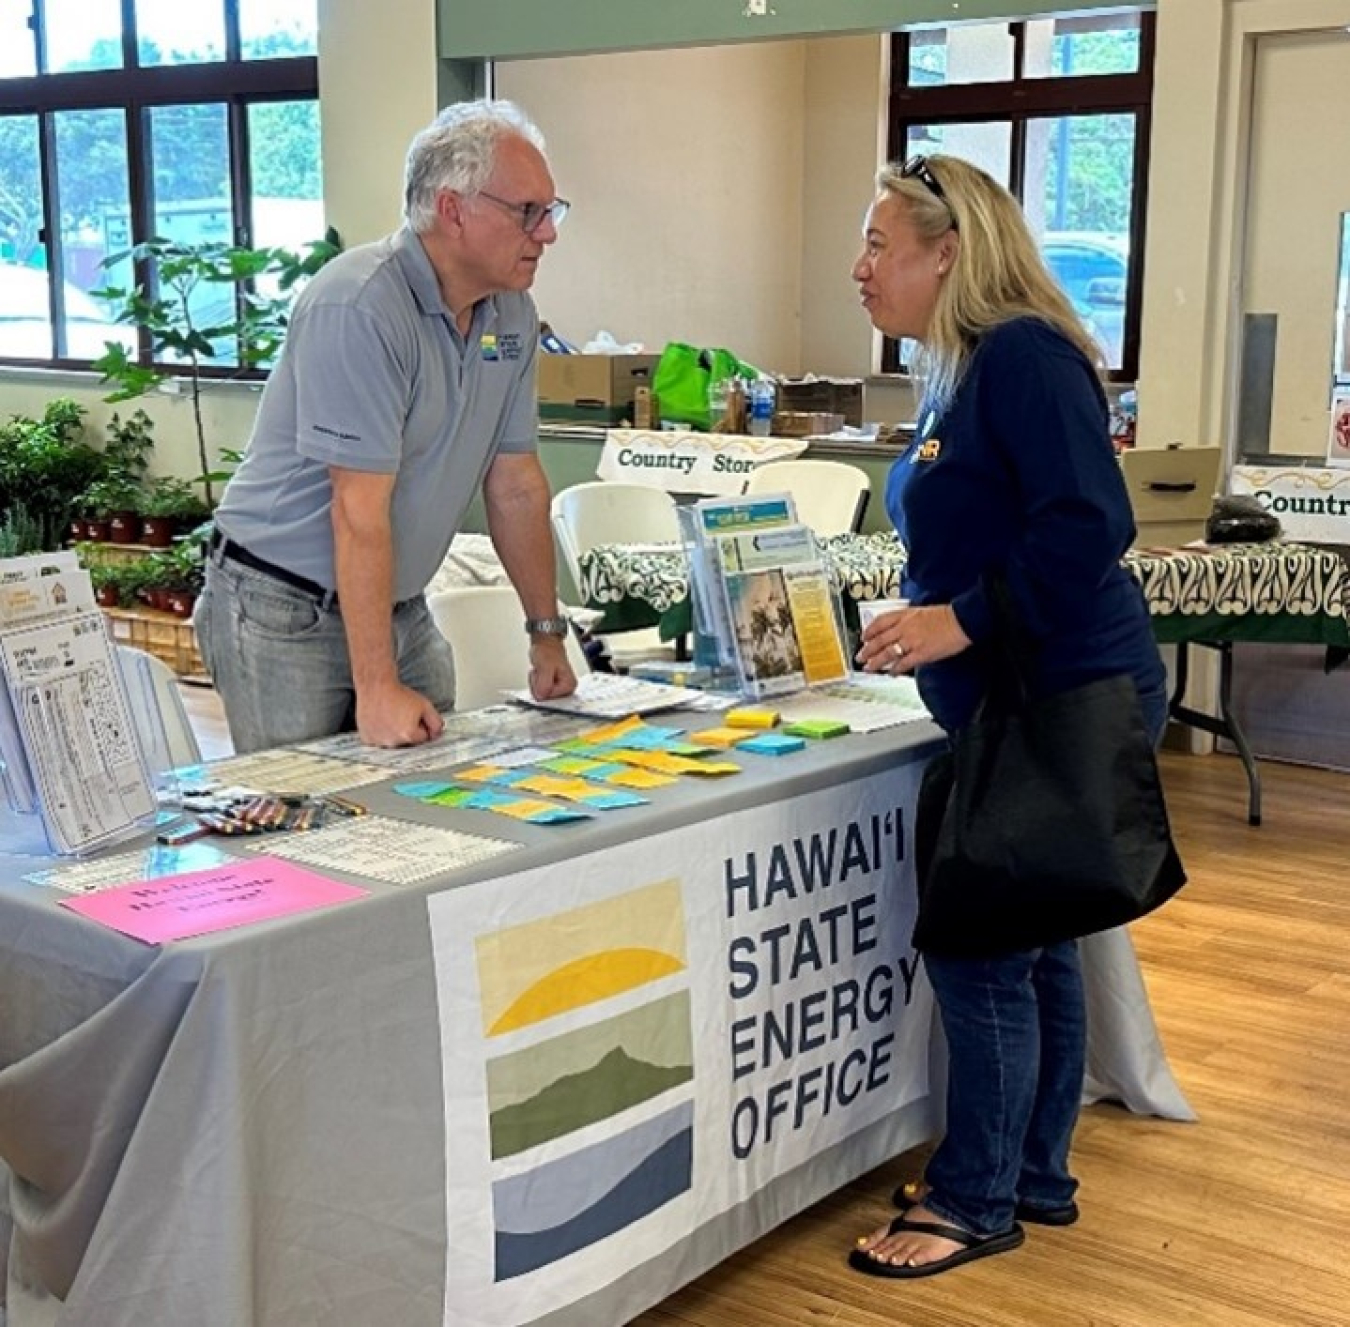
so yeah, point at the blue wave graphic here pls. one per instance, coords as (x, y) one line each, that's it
(661, 1177)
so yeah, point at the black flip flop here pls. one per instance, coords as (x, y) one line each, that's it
(972, 1247)
(1035, 1216)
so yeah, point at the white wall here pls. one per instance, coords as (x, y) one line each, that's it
(1203, 112)
(685, 173)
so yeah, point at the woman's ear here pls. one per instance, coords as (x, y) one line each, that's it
(948, 247)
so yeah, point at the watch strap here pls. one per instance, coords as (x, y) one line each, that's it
(547, 626)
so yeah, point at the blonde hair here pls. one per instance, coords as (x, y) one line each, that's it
(998, 273)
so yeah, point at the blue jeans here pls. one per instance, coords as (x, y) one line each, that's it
(1016, 1028)
(279, 659)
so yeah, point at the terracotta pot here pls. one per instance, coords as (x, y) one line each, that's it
(180, 602)
(157, 531)
(79, 528)
(106, 596)
(124, 527)
(96, 528)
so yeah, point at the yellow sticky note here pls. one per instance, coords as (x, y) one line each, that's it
(639, 778)
(752, 718)
(722, 737)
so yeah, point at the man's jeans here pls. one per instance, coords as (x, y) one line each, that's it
(1016, 1028)
(279, 659)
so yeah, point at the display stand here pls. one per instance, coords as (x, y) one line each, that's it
(71, 754)
(764, 606)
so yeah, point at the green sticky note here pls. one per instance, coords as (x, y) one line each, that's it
(816, 728)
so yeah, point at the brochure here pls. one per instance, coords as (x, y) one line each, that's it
(784, 624)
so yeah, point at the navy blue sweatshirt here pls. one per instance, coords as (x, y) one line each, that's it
(1019, 476)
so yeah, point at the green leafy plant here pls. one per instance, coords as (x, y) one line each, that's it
(20, 532)
(174, 499)
(45, 466)
(203, 307)
(113, 492)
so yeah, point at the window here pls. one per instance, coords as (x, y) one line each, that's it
(1056, 108)
(123, 120)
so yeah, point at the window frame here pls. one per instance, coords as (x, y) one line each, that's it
(234, 82)
(1015, 101)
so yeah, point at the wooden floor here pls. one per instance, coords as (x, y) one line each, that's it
(1240, 1220)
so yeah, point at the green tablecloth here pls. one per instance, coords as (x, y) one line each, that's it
(1275, 592)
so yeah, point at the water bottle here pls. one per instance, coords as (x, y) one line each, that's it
(761, 407)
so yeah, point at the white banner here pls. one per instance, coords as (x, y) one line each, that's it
(636, 1041)
(1312, 502)
(682, 461)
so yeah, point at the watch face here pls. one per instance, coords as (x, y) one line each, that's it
(546, 626)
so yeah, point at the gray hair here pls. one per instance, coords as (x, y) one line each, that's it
(458, 151)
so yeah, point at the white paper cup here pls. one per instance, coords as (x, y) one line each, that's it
(873, 608)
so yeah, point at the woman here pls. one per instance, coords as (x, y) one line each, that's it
(1011, 471)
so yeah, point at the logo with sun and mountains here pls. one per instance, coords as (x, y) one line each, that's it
(590, 1009)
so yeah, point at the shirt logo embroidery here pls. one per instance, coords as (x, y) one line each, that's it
(510, 345)
(928, 450)
(488, 343)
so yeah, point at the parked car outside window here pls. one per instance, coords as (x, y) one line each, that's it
(1093, 269)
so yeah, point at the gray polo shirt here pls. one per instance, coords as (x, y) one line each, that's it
(374, 376)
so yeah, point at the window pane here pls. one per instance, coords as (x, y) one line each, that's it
(171, 32)
(25, 308)
(90, 169)
(1100, 44)
(1079, 191)
(191, 172)
(287, 173)
(83, 34)
(988, 144)
(972, 53)
(18, 52)
(269, 28)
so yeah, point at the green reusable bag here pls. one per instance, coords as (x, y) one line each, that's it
(681, 381)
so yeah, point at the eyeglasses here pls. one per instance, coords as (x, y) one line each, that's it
(531, 214)
(917, 168)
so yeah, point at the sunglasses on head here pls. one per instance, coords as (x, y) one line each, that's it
(917, 168)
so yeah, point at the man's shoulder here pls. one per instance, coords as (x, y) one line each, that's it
(367, 274)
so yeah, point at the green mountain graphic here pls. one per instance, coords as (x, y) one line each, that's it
(613, 1084)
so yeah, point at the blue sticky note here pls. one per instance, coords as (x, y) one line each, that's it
(772, 744)
(424, 788)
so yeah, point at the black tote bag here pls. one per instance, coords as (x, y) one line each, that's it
(1045, 822)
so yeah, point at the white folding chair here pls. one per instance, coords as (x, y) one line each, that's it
(157, 710)
(615, 513)
(485, 626)
(830, 496)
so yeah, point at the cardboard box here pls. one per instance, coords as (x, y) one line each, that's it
(593, 382)
(831, 396)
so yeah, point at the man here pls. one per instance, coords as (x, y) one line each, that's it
(407, 381)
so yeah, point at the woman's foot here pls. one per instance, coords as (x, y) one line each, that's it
(918, 1243)
(901, 1246)
(908, 1196)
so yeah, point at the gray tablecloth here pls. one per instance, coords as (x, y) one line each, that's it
(247, 1129)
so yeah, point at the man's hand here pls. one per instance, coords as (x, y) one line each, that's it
(396, 715)
(550, 673)
(900, 642)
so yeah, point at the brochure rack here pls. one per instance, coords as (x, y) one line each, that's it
(762, 596)
(71, 753)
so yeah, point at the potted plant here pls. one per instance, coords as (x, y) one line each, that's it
(44, 467)
(111, 505)
(169, 506)
(108, 582)
(200, 336)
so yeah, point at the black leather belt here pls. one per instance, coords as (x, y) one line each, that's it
(232, 552)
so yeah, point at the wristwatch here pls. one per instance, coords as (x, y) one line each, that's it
(547, 626)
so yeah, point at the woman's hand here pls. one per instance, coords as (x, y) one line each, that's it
(902, 641)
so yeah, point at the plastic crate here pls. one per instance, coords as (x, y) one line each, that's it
(165, 636)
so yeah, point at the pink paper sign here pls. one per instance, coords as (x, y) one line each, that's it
(197, 902)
